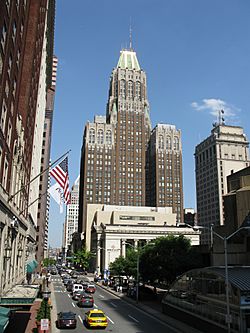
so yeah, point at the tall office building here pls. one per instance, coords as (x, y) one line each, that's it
(43, 202)
(165, 170)
(23, 57)
(71, 222)
(224, 152)
(114, 160)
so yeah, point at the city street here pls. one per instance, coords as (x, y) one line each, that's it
(122, 317)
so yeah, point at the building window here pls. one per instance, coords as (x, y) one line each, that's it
(9, 133)
(123, 88)
(108, 138)
(161, 142)
(130, 89)
(138, 90)
(5, 173)
(91, 135)
(176, 143)
(3, 35)
(3, 117)
(100, 137)
(168, 143)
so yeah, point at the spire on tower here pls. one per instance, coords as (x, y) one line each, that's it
(130, 36)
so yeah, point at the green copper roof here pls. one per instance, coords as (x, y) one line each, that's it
(128, 60)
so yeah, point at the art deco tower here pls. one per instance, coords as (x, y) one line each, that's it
(113, 165)
(123, 161)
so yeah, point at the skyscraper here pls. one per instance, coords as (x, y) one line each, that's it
(225, 151)
(165, 187)
(24, 57)
(115, 163)
(43, 203)
(71, 221)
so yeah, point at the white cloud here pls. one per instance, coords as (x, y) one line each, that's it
(213, 105)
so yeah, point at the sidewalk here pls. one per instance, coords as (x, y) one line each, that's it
(154, 309)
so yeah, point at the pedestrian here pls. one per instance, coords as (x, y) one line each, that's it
(120, 289)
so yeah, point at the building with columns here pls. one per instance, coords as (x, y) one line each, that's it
(110, 227)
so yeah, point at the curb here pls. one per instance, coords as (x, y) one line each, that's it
(179, 326)
(54, 329)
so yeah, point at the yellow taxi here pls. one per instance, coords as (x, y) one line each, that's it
(96, 318)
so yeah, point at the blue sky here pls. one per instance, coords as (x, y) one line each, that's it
(195, 53)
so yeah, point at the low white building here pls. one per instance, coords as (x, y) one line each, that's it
(109, 228)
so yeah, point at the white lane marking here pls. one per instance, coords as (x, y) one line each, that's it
(110, 320)
(101, 296)
(133, 319)
(73, 305)
(115, 306)
(80, 318)
(69, 295)
(95, 306)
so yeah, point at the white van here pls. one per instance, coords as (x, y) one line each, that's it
(77, 287)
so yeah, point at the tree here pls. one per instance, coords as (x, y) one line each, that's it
(48, 262)
(82, 258)
(168, 258)
(119, 266)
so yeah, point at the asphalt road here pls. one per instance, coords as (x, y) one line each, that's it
(122, 316)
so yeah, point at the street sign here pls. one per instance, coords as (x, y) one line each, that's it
(44, 324)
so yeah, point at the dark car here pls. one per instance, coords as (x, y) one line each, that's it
(77, 295)
(86, 301)
(66, 320)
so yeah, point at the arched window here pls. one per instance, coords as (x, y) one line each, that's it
(91, 135)
(168, 143)
(130, 89)
(176, 143)
(123, 88)
(161, 142)
(138, 90)
(108, 138)
(100, 137)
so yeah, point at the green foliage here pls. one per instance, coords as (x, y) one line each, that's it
(119, 266)
(159, 262)
(168, 258)
(82, 258)
(44, 311)
(48, 262)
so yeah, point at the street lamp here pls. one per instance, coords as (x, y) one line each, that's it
(46, 294)
(225, 239)
(137, 266)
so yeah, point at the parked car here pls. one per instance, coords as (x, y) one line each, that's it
(66, 320)
(85, 301)
(96, 318)
(90, 289)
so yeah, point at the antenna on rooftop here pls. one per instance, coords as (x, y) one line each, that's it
(221, 117)
(130, 36)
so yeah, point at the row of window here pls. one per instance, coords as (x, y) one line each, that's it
(130, 90)
(169, 143)
(100, 136)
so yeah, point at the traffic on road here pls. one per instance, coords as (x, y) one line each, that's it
(106, 311)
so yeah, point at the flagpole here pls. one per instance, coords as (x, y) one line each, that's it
(39, 197)
(24, 186)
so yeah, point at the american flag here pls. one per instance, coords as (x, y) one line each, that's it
(60, 173)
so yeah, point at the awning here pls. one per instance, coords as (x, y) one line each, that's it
(31, 266)
(4, 318)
